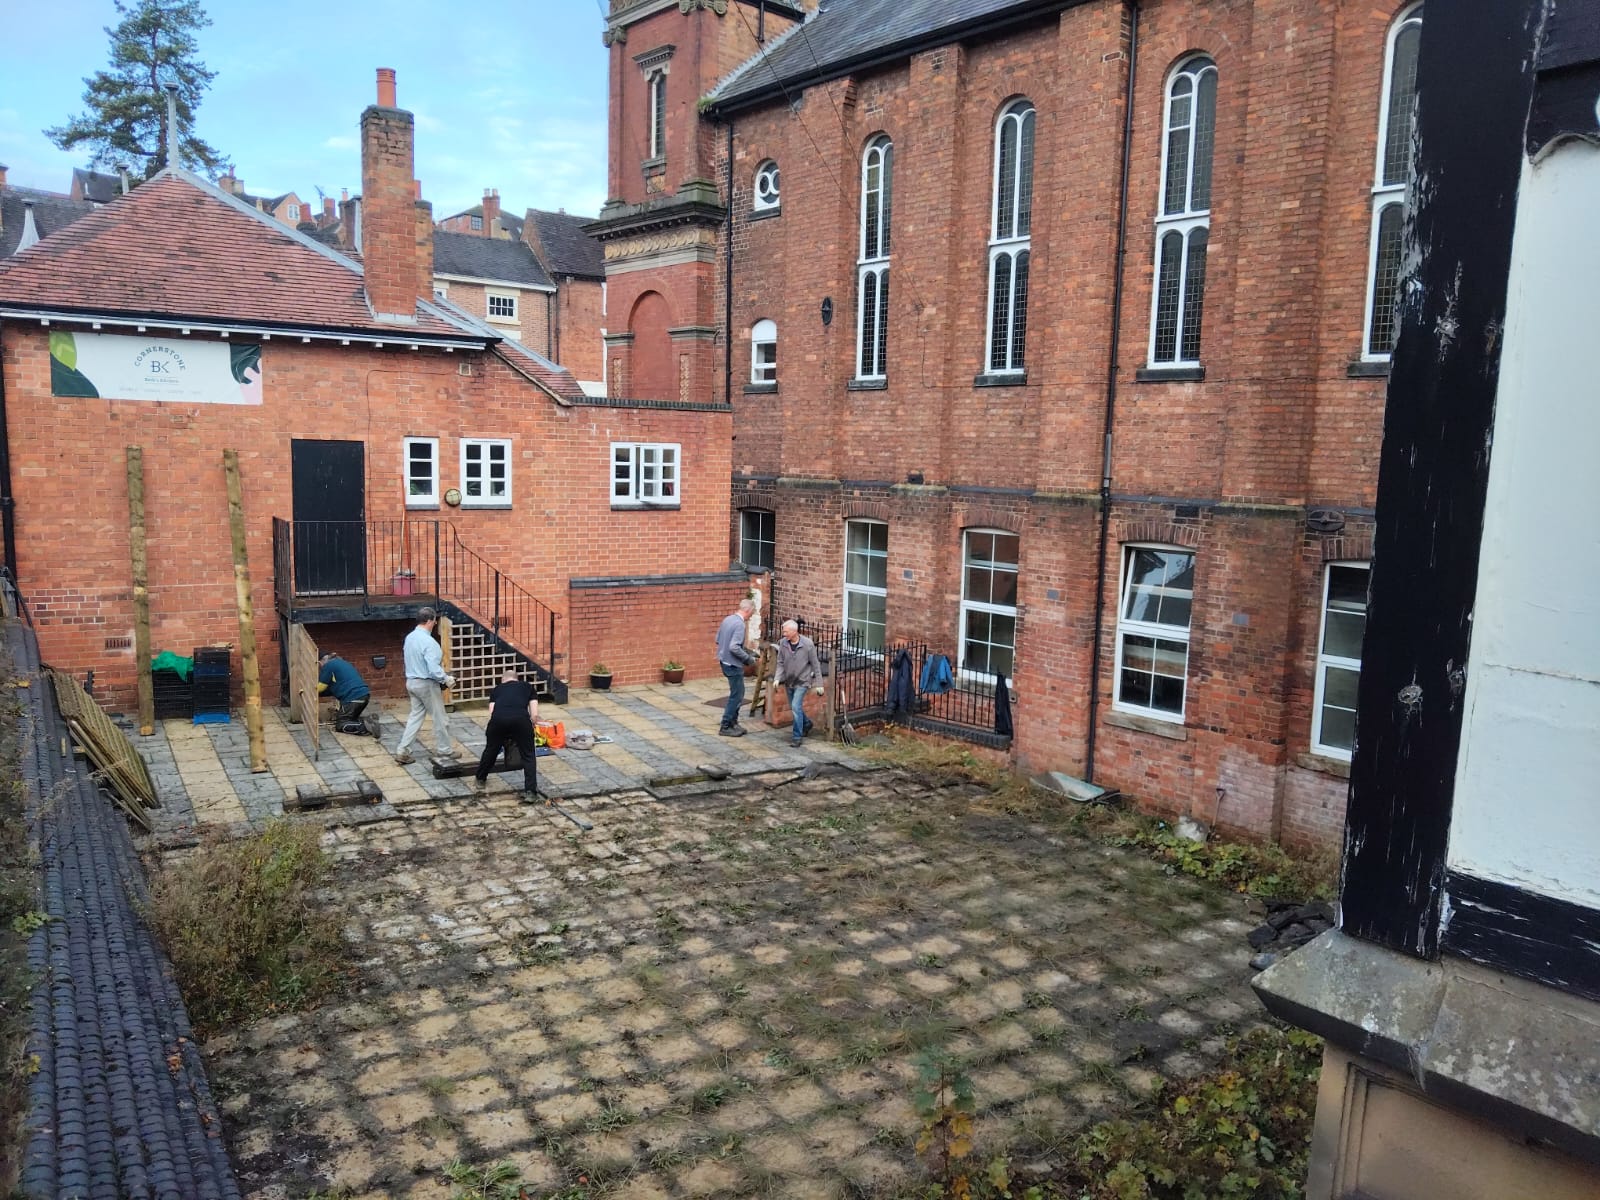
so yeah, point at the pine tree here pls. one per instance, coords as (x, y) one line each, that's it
(126, 120)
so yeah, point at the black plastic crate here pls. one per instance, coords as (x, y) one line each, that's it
(173, 695)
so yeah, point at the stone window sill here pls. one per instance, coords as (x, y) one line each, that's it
(486, 507)
(425, 506)
(654, 166)
(1167, 729)
(1324, 765)
(760, 389)
(867, 385)
(1361, 369)
(1169, 375)
(765, 214)
(1012, 379)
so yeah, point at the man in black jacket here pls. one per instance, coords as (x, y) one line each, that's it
(512, 712)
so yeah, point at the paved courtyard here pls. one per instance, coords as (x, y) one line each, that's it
(720, 992)
(203, 775)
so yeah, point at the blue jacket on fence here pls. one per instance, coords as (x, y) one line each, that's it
(901, 698)
(937, 678)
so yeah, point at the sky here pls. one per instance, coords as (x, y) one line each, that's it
(509, 95)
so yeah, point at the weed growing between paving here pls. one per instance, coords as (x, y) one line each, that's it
(19, 917)
(243, 928)
(1259, 870)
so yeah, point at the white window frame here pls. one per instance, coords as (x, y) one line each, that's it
(765, 197)
(431, 498)
(1335, 661)
(764, 369)
(985, 606)
(1186, 221)
(510, 318)
(746, 539)
(294, 213)
(665, 490)
(1150, 629)
(488, 445)
(1014, 246)
(656, 84)
(874, 266)
(441, 291)
(1384, 194)
(866, 589)
(476, 222)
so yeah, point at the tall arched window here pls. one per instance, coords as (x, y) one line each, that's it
(1183, 218)
(872, 270)
(764, 352)
(1010, 239)
(658, 113)
(1396, 122)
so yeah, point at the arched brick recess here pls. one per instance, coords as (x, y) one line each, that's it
(869, 510)
(1169, 532)
(1348, 548)
(984, 517)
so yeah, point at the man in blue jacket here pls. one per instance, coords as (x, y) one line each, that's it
(343, 683)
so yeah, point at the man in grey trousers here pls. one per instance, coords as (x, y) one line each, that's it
(425, 683)
(731, 657)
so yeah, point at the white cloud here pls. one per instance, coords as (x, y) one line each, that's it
(339, 142)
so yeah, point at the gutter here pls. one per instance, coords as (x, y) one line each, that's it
(8, 502)
(727, 291)
(140, 322)
(1131, 7)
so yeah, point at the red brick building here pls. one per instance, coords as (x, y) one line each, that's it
(1056, 336)
(393, 448)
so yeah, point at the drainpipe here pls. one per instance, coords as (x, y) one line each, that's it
(727, 297)
(8, 503)
(1132, 9)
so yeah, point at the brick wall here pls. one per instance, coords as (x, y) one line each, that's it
(532, 326)
(579, 318)
(72, 516)
(634, 625)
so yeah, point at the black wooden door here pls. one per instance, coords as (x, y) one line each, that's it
(330, 511)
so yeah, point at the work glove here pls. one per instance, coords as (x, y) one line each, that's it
(449, 681)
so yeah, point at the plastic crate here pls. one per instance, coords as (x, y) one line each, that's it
(173, 695)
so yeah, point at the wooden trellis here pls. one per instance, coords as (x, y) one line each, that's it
(303, 670)
(111, 753)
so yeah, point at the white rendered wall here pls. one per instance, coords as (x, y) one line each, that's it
(1527, 802)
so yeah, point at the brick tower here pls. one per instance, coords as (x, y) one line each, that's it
(667, 214)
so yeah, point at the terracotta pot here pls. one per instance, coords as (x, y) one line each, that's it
(675, 676)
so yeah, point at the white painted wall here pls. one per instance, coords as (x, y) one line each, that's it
(1527, 804)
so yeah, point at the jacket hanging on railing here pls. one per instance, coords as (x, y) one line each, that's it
(1002, 706)
(901, 698)
(937, 678)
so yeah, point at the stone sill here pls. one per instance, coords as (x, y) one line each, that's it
(1169, 375)
(765, 214)
(426, 506)
(486, 507)
(1323, 764)
(1361, 369)
(760, 389)
(1174, 730)
(867, 385)
(1007, 379)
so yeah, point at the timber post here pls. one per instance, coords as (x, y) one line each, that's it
(141, 591)
(247, 621)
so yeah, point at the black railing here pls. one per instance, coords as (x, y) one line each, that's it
(863, 676)
(12, 601)
(386, 561)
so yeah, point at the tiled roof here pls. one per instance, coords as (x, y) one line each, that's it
(118, 1100)
(52, 212)
(846, 35)
(486, 258)
(554, 378)
(179, 247)
(97, 186)
(568, 250)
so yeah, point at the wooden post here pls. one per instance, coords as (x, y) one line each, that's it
(830, 699)
(444, 651)
(247, 620)
(141, 591)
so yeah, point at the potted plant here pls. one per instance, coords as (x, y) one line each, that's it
(600, 677)
(672, 671)
(405, 582)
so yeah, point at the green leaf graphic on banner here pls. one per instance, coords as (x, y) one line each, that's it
(65, 378)
(63, 349)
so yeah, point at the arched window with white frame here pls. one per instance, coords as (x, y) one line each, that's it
(1154, 606)
(872, 268)
(1183, 213)
(990, 562)
(764, 194)
(764, 352)
(1011, 239)
(658, 113)
(1391, 177)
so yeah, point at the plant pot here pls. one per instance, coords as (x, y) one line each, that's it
(672, 676)
(405, 585)
(600, 683)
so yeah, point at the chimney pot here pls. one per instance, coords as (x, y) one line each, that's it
(3, 169)
(386, 87)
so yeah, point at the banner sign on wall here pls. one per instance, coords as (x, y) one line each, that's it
(110, 366)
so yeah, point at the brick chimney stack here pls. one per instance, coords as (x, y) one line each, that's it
(389, 207)
(491, 212)
(2, 175)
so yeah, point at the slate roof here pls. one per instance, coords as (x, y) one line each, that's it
(843, 36)
(97, 186)
(568, 250)
(52, 212)
(478, 257)
(118, 1103)
(178, 246)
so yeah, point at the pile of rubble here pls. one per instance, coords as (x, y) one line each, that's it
(1289, 925)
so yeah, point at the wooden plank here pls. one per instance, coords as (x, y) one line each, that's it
(141, 591)
(446, 651)
(304, 668)
(116, 762)
(247, 620)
